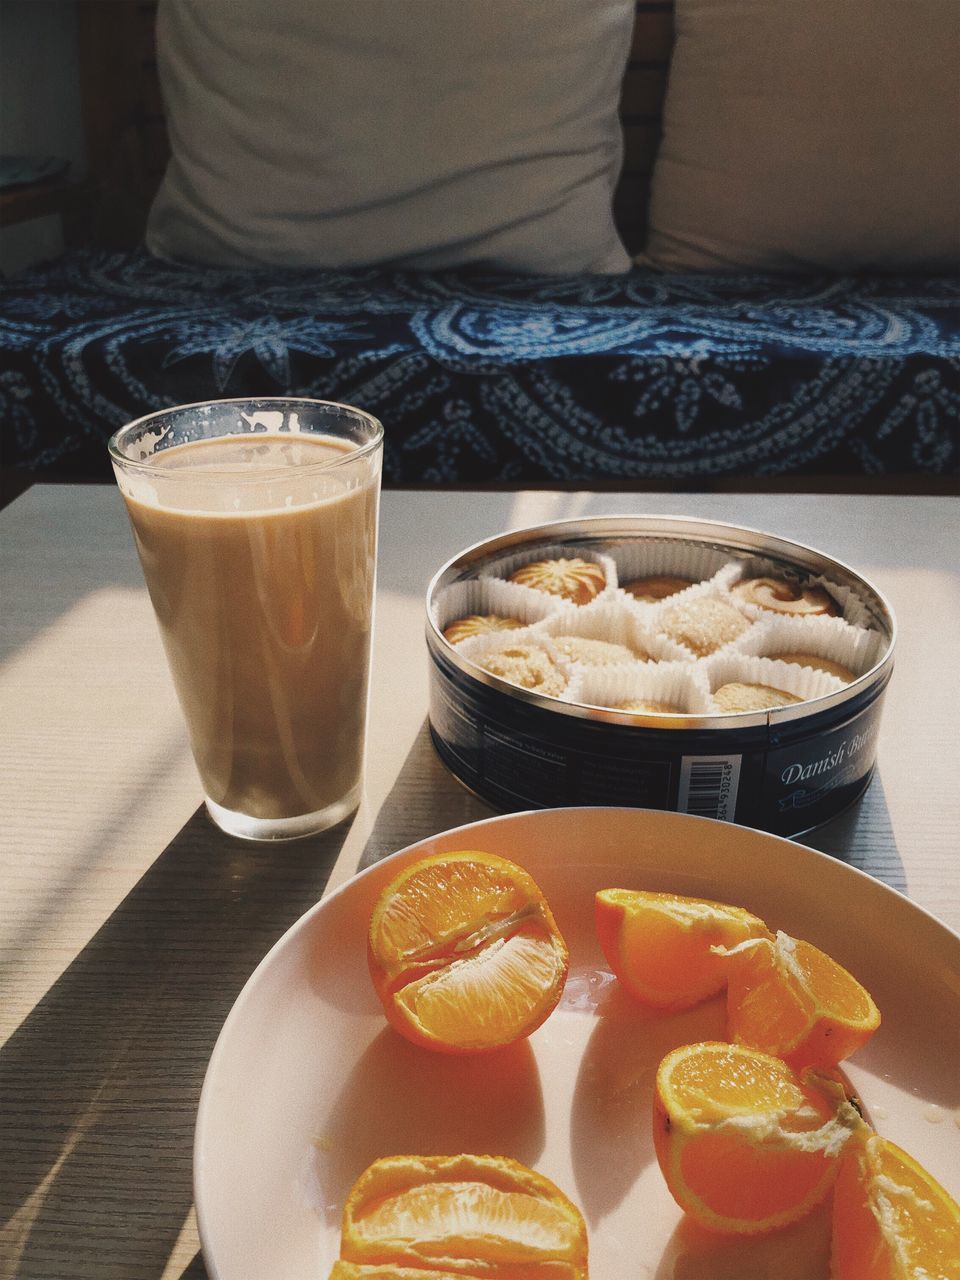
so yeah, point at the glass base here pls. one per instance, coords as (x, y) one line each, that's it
(270, 829)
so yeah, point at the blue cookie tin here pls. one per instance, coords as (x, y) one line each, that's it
(785, 770)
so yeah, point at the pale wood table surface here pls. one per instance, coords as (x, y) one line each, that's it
(128, 924)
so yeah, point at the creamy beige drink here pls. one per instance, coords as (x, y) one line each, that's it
(259, 553)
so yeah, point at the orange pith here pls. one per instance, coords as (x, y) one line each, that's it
(745, 1144)
(464, 952)
(789, 998)
(659, 944)
(891, 1219)
(463, 1216)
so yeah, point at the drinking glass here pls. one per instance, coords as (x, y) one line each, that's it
(256, 526)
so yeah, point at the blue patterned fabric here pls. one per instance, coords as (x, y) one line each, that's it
(482, 379)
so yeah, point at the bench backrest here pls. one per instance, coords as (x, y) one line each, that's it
(126, 136)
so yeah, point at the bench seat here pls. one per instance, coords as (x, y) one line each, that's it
(482, 378)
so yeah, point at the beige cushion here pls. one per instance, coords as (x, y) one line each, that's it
(415, 133)
(817, 134)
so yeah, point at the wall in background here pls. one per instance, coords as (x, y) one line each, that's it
(40, 111)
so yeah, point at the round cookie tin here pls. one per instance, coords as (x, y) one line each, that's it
(784, 769)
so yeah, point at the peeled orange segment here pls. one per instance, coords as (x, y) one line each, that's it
(891, 1219)
(789, 998)
(659, 944)
(505, 989)
(354, 1271)
(465, 1215)
(745, 1144)
(464, 952)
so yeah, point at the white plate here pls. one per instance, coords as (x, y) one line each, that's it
(307, 1084)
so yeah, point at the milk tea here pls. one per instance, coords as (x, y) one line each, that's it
(261, 576)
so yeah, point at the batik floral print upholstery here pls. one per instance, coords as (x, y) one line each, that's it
(481, 378)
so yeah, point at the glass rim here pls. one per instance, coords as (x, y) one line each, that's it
(153, 466)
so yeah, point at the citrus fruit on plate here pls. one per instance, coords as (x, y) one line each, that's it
(463, 1215)
(792, 999)
(308, 1084)
(464, 952)
(891, 1219)
(745, 1144)
(660, 945)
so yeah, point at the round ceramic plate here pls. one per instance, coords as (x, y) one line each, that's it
(307, 1084)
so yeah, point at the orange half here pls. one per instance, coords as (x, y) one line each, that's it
(788, 998)
(891, 1219)
(660, 945)
(745, 1144)
(464, 952)
(461, 1216)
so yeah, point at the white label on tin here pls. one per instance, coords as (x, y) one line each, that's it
(708, 786)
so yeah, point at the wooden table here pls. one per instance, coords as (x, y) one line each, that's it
(128, 924)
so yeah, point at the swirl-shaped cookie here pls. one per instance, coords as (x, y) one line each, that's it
(740, 696)
(779, 596)
(573, 579)
(526, 665)
(595, 653)
(818, 664)
(656, 587)
(703, 624)
(478, 624)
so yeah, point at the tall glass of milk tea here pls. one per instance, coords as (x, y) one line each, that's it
(256, 526)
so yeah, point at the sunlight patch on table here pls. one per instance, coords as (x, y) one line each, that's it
(67, 863)
(926, 602)
(532, 506)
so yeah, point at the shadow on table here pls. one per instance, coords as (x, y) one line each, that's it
(425, 800)
(99, 1086)
(112, 1059)
(196, 1270)
(862, 836)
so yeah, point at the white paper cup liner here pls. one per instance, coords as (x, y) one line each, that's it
(803, 682)
(668, 557)
(481, 644)
(680, 685)
(552, 551)
(478, 648)
(672, 673)
(610, 619)
(821, 637)
(490, 595)
(709, 589)
(731, 571)
(852, 607)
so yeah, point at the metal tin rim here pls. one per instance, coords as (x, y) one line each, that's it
(679, 528)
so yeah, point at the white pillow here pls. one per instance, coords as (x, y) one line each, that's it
(414, 133)
(818, 134)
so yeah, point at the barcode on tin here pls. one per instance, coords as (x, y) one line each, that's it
(708, 786)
